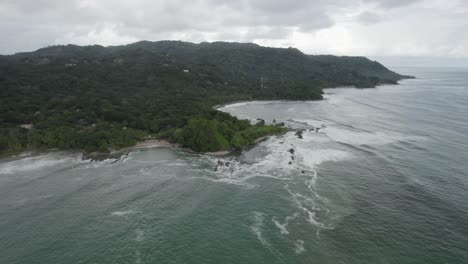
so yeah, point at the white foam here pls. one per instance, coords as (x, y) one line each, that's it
(122, 213)
(238, 182)
(309, 205)
(319, 137)
(314, 157)
(236, 105)
(257, 227)
(279, 163)
(305, 156)
(101, 164)
(37, 162)
(309, 122)
(283, 226)
(299, 247)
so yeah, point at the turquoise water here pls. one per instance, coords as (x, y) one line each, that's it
(384, 180)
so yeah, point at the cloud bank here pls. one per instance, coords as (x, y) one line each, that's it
(365, 27)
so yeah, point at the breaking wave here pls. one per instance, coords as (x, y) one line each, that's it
(38, 163)
(282, 158)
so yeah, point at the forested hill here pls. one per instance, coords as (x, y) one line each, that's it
(100, 98)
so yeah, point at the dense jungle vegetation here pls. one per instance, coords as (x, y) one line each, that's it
(100, 98)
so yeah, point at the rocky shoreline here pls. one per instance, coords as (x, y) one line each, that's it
(292, 151)
(117, 155)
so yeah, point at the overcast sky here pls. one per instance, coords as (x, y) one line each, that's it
(400, 28)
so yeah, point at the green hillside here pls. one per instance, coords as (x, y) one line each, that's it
(99, 98)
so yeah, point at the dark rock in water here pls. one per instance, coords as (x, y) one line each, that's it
(222, 164)
(303, 172)
(290, 163)
(321, 127)
(291, 151)
(292, 157)
(299, 133)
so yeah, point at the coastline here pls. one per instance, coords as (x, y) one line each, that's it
(93, 156)
(154, 143)
(403, 77)
(123, 152)
(117, 155)
(149, 143)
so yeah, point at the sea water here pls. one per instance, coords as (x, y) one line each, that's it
(378, 176)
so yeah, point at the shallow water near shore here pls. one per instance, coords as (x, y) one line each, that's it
(384, 179)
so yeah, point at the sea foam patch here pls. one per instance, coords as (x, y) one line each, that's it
(290, 152)
(122, 213)
(257, 228)
(283, 226)
(283, 158)
(311, 158)
(239, 104)
(299, 247)
(37, 163)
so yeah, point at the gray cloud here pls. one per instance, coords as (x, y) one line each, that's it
(369, 17)
(349, 27)
(392, 3)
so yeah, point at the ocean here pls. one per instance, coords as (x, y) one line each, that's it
(378, 176)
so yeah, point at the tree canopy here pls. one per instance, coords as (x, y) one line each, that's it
(99, 98)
